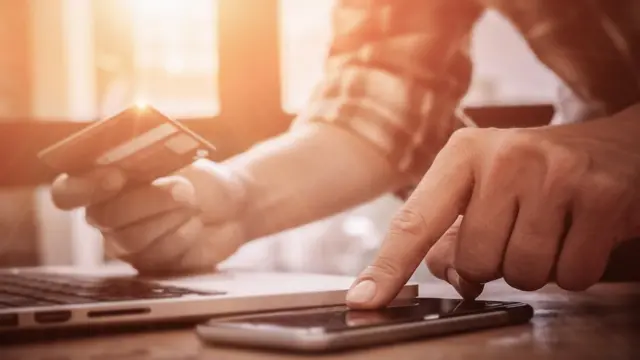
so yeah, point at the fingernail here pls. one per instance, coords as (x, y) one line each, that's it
(113, 181)
(362, 292)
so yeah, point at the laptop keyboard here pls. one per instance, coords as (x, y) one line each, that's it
(39, 289)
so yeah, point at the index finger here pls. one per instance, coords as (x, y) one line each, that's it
(431, 209)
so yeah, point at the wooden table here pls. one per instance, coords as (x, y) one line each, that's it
(602, 323)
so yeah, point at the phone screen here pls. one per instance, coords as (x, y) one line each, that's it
(335, 319)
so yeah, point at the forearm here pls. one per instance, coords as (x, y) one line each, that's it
(381, 110)
(307, 174)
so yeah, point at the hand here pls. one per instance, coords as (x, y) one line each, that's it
(526, 205)
(183, 223)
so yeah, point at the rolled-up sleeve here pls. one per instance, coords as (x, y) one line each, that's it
(395, 74)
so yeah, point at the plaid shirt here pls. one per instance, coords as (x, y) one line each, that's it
(397, 69)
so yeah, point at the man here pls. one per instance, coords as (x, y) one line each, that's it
(526, 205)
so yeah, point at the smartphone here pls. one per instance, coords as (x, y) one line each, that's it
(338, 328)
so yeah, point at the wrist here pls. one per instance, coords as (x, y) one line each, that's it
(221, 193)
(242, 189)
(255, 213)
(305, 175)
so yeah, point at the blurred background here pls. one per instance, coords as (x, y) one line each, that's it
(236, 71)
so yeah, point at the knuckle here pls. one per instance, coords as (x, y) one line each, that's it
(605, 195)
(465, 135)
(608, 188)
(408, 222)
(563, 162)
(464, 139)
(564, 170)
(476, 270)
(514, 147)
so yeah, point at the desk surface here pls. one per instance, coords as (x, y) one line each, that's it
(603, 322)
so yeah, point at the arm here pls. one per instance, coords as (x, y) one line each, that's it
(593, 49)
(395, 74)
(538, 204)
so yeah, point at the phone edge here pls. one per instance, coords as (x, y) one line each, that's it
(306, 341)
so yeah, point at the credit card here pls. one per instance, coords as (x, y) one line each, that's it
(140, 141)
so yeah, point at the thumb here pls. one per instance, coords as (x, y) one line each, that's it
(212, 188)
(180, 188)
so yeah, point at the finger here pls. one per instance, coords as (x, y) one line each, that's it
(440, 261)
(140, 203)
(599, 214)
(586, 249)
(70, 192)
(163, 255)
(214, 185)
(442, 254)
(215, 244)
(484, 232)
(534, 243)
(432, 208)
(205, 248)
(139, 236)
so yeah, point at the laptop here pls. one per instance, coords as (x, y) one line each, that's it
(37, 299)
(55, 298)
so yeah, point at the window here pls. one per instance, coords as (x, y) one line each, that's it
(94, 58)
(505, 70)
(175, 55)
(497, 79)
(173, 60)
(305, 36)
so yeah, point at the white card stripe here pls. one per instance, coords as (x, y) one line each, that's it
(140, 142)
